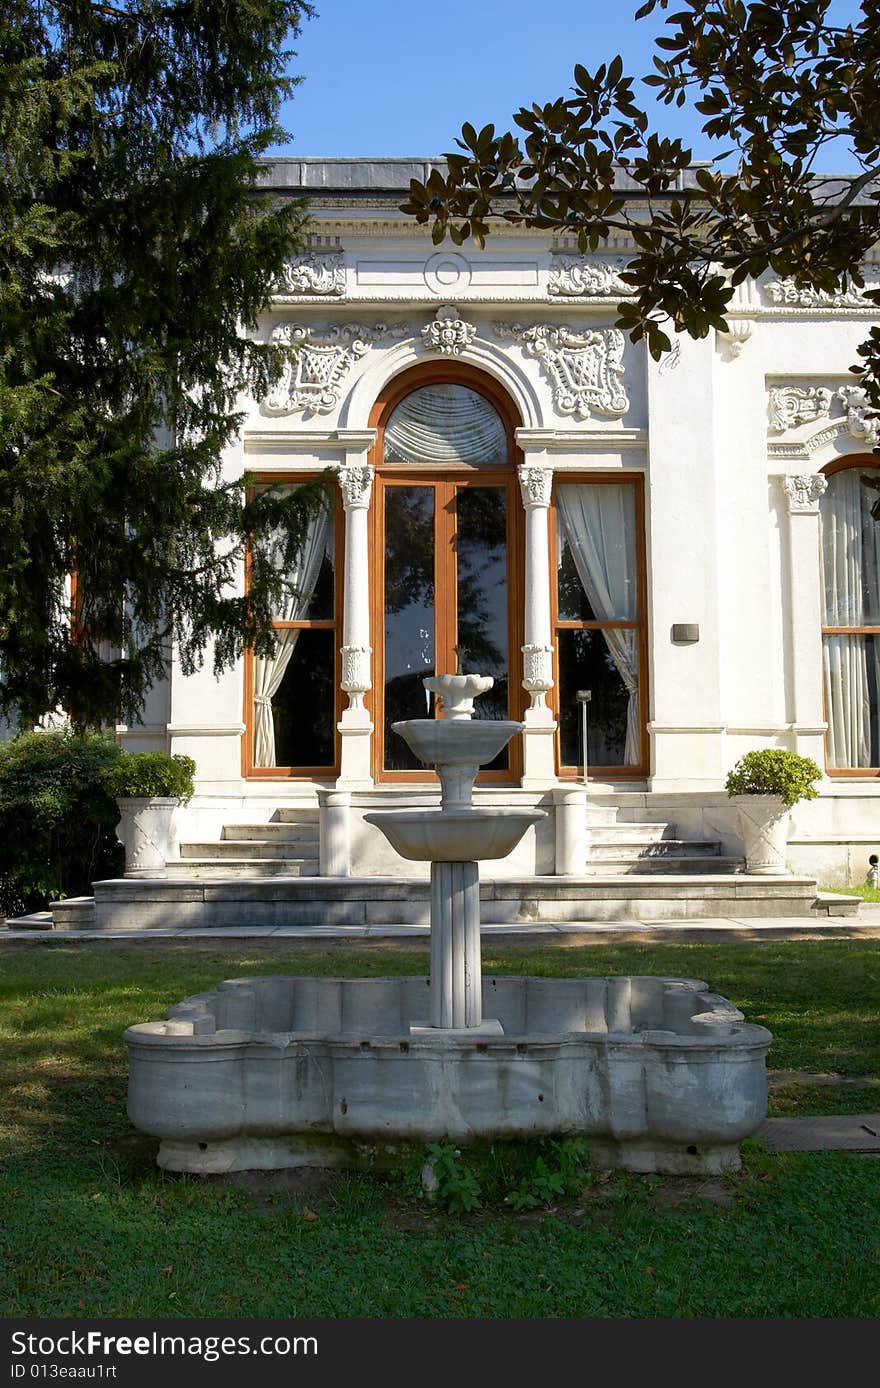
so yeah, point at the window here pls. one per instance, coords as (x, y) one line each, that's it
(851, 621)
(599, 624)
(291, 696)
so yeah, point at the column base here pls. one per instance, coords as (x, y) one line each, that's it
(539, 749)
(356, 733)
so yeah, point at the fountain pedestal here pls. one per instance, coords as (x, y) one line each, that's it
(454, 840)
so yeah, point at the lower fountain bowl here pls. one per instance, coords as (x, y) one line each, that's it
(454, 835)
(657, 1074)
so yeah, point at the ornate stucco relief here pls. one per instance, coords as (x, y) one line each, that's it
(804, 492)
(578, 276)
(785, 293)
(585, 367)
(791, 409)
(313, 380)
(449, 334)
(317, 272)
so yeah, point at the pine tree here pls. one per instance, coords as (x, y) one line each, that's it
(136, 252)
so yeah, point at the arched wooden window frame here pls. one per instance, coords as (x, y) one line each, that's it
(852, 460)
(432, 374)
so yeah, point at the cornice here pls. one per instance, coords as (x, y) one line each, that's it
(340, 440)
(577, 440)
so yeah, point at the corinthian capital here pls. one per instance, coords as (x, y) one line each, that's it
(536, 484)
(355, 483)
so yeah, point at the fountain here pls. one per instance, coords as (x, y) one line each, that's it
(659, 1074)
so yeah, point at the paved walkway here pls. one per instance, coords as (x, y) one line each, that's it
(850, 1132)
(866, 924)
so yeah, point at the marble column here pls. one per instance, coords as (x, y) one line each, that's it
(355, 478)
(539, 768)
(805, 704)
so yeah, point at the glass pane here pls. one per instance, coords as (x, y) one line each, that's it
(445, 424)
(303, 708)
(606, 664)
(481, 562)
(850, 550)
(852, 679)
(409, 613)
(311, 593)
(597, 544)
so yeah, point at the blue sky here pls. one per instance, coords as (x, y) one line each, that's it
(396, 78)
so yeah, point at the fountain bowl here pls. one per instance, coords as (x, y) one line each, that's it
(453, 835)
(457, 742)
(658, 1074)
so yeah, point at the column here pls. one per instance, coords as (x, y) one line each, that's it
(806, 708)
(539, 767)
(355, 478)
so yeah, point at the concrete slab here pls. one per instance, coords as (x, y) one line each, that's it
(855, 1132)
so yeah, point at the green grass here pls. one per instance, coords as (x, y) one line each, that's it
(91, 1227)
(861, 889)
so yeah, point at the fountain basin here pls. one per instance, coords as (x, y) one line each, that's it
(457, 742)
(658, 1074)
(465, 835)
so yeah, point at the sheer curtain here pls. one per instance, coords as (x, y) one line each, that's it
(269, 672)
(851, 573)
(598, 523)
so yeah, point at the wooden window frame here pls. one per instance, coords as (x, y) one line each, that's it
(601, 772)
(299, 773)
(445, 478)
(843, 773)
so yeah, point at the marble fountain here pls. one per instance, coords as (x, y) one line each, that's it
(658, 1074)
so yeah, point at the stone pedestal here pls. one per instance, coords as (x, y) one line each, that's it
(355, 480)
(455, 945)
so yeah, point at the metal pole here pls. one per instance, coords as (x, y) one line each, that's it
(583, 697)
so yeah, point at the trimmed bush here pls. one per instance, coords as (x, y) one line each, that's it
(774, 771)
(56, 818)
(150, 775)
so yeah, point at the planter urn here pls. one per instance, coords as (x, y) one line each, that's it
(145, 831)
(763, 822)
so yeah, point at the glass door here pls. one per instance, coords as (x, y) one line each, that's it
(445, 587)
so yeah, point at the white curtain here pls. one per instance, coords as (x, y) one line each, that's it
(851, 574)
(269, 672)
(598, 524)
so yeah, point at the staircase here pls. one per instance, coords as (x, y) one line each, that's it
(617, 849)
(285, 847)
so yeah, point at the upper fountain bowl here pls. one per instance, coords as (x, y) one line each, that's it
(457, 742)
(457, 693)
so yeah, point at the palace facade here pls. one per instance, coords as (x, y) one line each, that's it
(522, 492)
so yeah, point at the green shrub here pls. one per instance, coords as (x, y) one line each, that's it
(56, 818)
(144, 775)
(775, 772)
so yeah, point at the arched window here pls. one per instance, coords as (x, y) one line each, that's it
(851, 619)
(446, 542)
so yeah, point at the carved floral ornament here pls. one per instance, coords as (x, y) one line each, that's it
(536, 484)
(317, 272)
(578, 276)
(312, 381)
(847, 409)
(804, 492)
(449, 334)
(786, 294)
(355, 483)
(585, 367)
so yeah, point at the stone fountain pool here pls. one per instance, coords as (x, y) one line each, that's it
(659, 1074)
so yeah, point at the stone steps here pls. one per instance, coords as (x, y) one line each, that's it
(212, 900)
(273, 832)
(249, 867)
(656, 864)
(250, 848)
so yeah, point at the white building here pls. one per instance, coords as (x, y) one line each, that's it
(523, 491)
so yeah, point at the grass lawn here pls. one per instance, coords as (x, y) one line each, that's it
(89, 1226)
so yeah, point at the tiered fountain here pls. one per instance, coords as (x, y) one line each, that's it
(658, 1073)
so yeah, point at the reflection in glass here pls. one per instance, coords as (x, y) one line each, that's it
(303, 705)
(445, 424)
(586, 662)
(481, 555)
(409, 613)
